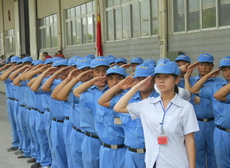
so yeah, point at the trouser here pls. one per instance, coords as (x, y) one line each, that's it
(22, 114)
(117, 155)
(134, 160)
(222, 148)
(205, 156)
(35, 147)
(67, 128)
(45, 159)
(12, 119)
(90, 152)
(76, 139)
(19, 131)
(58, 153)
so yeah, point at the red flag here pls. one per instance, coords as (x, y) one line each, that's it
(99, 41)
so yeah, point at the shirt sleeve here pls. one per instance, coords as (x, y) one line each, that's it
(206, 92)
(189, 121)
(227, 99)
(184, 94)
(134, 110)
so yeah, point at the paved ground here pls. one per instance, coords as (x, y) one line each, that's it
(7, 159)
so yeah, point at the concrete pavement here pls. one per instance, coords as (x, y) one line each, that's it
(8, 159)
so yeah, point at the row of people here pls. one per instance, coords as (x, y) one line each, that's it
(74, 130)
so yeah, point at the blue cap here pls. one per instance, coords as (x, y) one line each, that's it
(14, 58)
(37, 62)
(111, 58)
(55, 64)
(183, 57)
(19, 61)
(167, 67)
(83, 63)
(162, 60)
(62, 62)
(121, 59)
(137, 60)
(57, 58)
(117, 70)
(90, 56)
(49, 61)
(150, 61)
(27, 59)
(225, 61)
(99, 61)
(205, 57)
(144, 70)
(73, 60)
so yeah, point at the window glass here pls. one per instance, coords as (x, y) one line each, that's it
(118, 19)
(90, 29)
(68, 30)
(209, 13)
(224, 12)
(110, 26)
(117, 2)
(79, 38)
(109, 3)
(144, 18)
(74, 32)
(154, 13)
(78, 11)
(179, 15)
(84, 30)
(83, 9)
(193, 14)
(89, 7)
(135, 20)
(126, 22)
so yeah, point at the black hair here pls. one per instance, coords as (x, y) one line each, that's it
(45, 53)
(115, 74)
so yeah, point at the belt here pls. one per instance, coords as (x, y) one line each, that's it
(23, 105)
(29, 108)
(222, 128)
(113, 146)
(48, 110)
(67, 118)
(206, 119)
(141, 150)
(37, 110)
(91, 135)
(12, 98)
(57, 120)
(77, 129)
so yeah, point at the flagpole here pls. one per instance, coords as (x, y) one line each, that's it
(96, 22)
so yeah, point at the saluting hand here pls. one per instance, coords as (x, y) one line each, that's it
(126, 83)
(214, 73)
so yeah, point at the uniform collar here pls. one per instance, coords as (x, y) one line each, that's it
(225, 82)
(96, 87)
(137, 95)
(176, 100)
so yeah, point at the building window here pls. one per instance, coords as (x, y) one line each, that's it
(200, 14)
(48, 31)
(10, 43)
(80, 26)
(127, 19)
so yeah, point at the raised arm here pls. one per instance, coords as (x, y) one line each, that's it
(109, 94)
(38, 81)
(6, 66)
(199, 84)
(16, 72)
(7, 73)
(222, 93)
(121, 105)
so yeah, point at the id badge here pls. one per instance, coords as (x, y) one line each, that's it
(196, 100)
(117, 121)
(163, 139)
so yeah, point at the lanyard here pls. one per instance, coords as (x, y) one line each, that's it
(163, 119)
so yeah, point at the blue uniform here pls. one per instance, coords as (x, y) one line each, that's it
(23, 119)
(45, 155)
(58, 152)
(91, 143)
(204, 138)
(11, 109)
(77, 134)
(110, 133)
(134, 137)
(222, 121)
